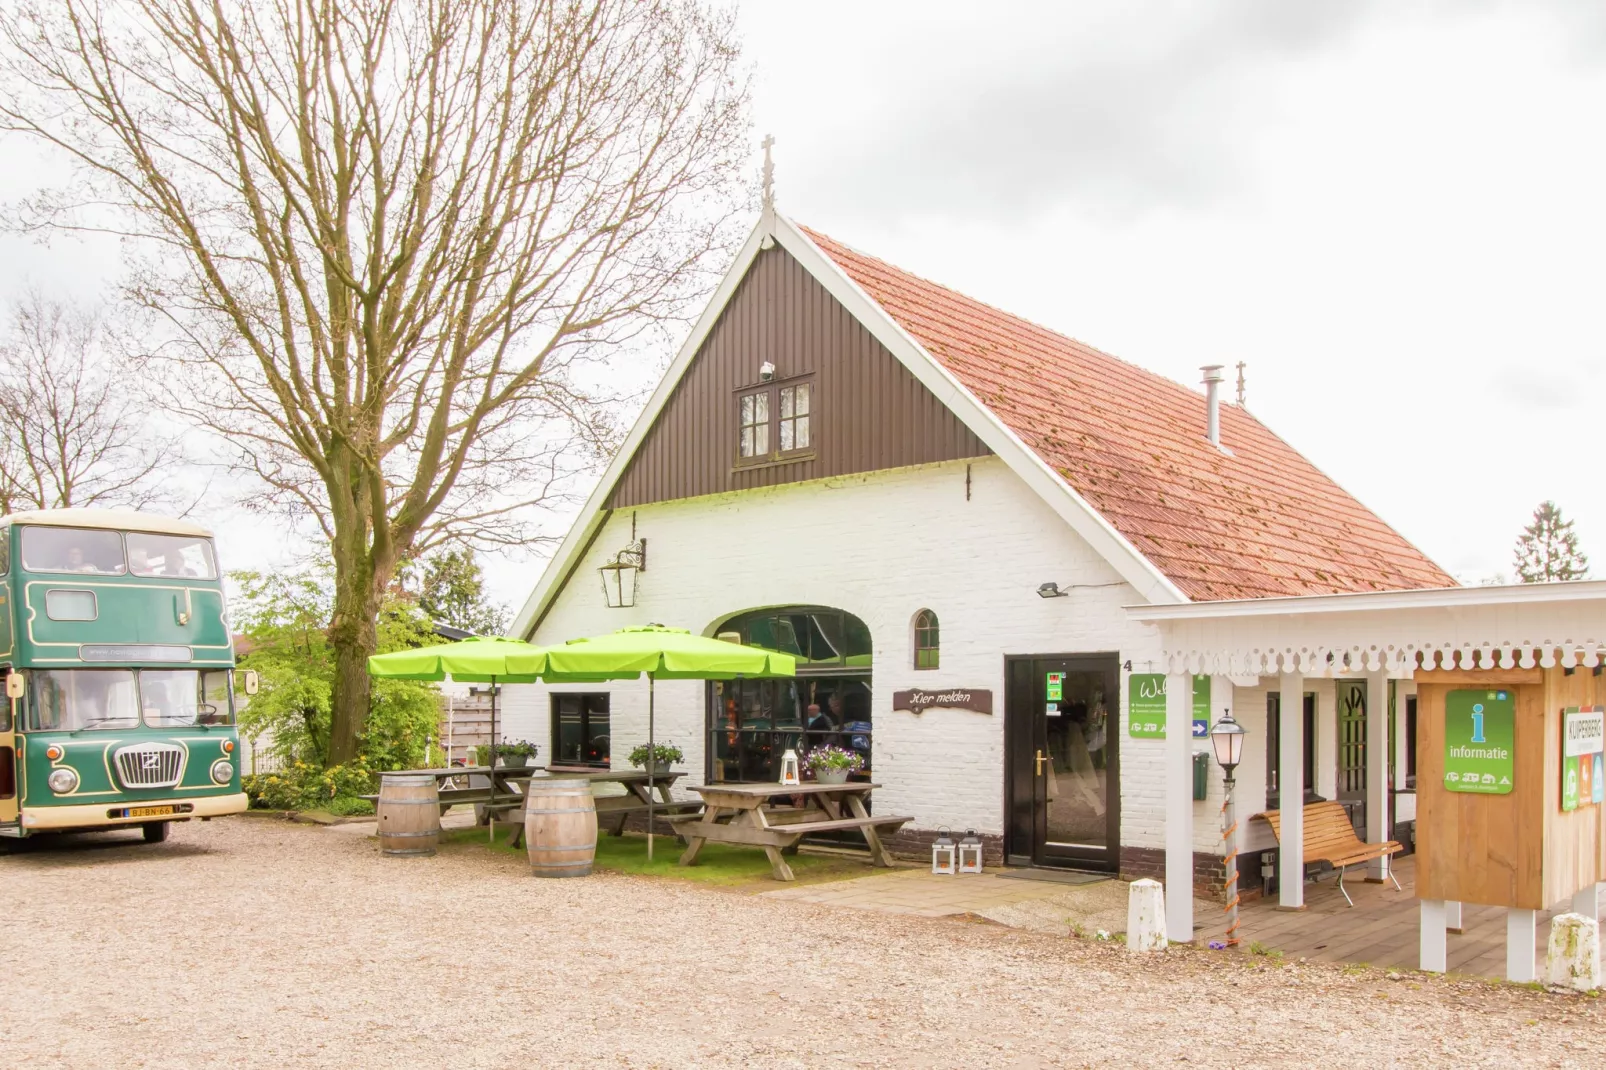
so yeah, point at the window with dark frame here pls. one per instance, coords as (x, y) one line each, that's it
(1410, 741)
(755, 425)
(580, 730)
(794, 417)
(775, 422)
(1274, 701)
(927, 644)
(752, 723)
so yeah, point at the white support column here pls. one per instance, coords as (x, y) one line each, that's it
(1179, 807)
(1586, 901)
(1291, 792)
(1452, 917)
(1377, 766)
(1521, 931)
(1432, 952)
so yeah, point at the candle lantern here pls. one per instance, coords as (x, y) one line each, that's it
(970, 852)
(789, 771)
(943, 856)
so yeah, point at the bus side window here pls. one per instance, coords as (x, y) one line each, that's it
(217, 706)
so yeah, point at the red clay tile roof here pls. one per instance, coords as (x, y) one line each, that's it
(1259, 523)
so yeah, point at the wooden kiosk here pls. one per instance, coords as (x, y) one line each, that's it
(1511, 800)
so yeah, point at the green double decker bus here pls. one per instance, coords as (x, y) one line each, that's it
(119, 674)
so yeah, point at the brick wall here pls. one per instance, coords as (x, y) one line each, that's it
(882, 546)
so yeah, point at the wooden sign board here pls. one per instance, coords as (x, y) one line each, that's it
(974, 699)
(1521, 847)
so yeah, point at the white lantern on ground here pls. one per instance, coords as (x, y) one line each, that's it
(970, 852)
(943, 857)
(790, 776)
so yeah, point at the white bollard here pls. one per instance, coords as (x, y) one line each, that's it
(1573, 957)
(1145, 916)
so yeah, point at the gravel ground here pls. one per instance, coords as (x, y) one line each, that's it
(255, 943)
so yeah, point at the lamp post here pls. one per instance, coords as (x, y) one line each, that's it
(1227, 737)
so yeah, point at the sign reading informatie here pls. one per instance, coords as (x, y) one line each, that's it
(1145, 706)
(1480, 734)
(1583, 734)
(974, 699)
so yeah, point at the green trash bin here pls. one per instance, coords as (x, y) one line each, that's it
(1201, 770)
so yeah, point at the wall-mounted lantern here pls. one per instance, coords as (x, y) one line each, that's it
(620, 573)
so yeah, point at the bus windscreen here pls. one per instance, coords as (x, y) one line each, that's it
(188, 556)
(72, 550)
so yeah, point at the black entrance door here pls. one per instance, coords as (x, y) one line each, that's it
(1063, 772)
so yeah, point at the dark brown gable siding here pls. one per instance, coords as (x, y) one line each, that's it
(870, 413)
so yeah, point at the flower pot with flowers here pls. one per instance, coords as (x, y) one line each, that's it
(516, 753)
(832, 765)
(660, 759)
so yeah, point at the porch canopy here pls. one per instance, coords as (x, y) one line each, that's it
(1375, 636)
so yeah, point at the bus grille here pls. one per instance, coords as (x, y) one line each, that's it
(150, 765)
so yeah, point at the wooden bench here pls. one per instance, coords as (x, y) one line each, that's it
(804, 828)
(1329, 837)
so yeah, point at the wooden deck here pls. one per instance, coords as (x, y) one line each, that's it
(1380, 930)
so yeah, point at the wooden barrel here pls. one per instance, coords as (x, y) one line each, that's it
(560, 827)
(409, 814)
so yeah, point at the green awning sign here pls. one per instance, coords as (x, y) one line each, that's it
(1145, 706)
(1480, 741)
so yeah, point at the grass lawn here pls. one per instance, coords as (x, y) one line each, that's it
(718, 864)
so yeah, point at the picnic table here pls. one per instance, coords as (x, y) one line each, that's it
(499, 793)
(750, 814)
(614, 810)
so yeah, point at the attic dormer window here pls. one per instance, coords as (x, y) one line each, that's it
(755, 438)
(775, 422)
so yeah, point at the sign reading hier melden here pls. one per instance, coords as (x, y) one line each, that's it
(1480, 741)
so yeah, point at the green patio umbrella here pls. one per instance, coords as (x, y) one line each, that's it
(482, 659)
(662, 654)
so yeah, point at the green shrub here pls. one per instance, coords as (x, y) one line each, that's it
(306, 787)
(349, 806)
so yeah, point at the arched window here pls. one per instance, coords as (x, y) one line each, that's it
(926, 640)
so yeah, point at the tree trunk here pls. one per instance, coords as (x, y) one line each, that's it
(354, 637)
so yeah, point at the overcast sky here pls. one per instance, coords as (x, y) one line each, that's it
(1394, 213)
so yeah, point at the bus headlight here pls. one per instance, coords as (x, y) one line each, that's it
(62, 780)
(222, 771)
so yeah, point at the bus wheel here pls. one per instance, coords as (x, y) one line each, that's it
(155, 831)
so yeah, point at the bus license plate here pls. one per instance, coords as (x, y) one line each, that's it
(151, 811)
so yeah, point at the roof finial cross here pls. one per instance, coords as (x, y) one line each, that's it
(1241, 384)
(769, 173)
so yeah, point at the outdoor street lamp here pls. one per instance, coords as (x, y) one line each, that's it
(1227, 737)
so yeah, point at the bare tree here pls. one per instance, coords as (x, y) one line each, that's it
(390, 235)
(72, 429)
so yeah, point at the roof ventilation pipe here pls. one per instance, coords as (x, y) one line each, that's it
(1212, 385)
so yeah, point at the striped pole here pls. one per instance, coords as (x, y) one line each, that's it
(1229, 839)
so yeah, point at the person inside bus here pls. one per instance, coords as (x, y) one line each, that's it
(173, 564)
(139, 561)
(76, 562)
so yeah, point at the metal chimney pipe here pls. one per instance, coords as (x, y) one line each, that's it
(1212, 383)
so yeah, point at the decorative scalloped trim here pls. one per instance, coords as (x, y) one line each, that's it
(1396, 660)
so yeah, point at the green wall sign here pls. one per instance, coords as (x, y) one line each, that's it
(1145, 706)
(1480, 741)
